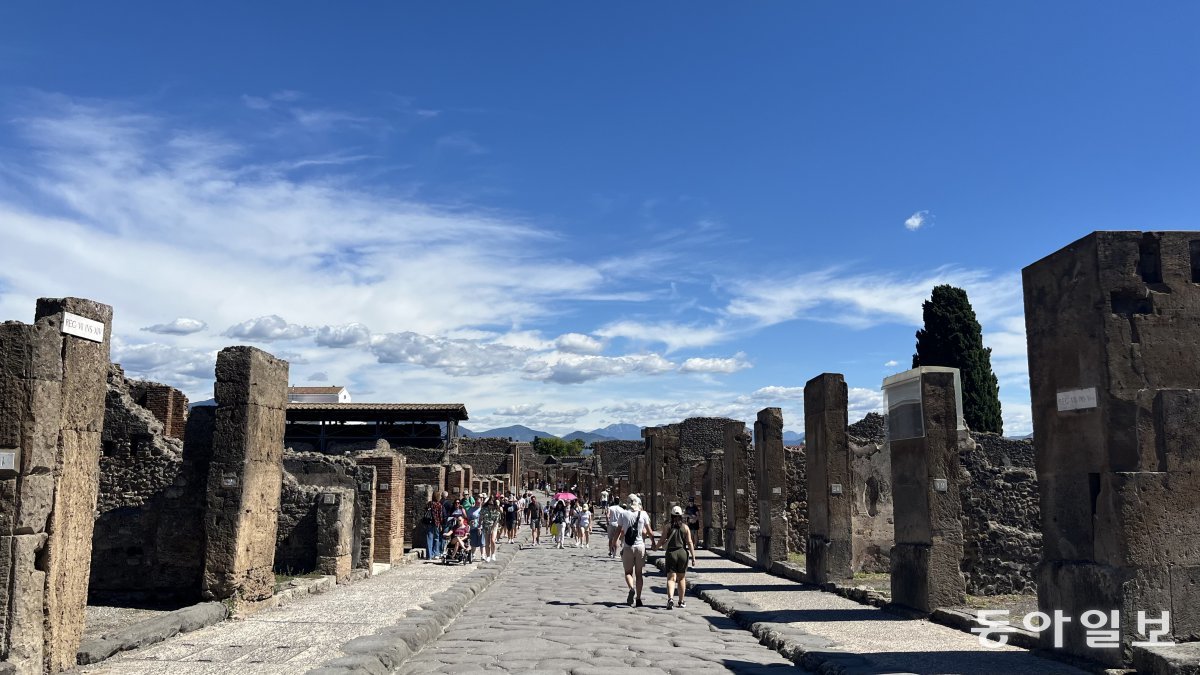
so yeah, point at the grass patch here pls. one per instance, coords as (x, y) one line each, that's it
(798, 558)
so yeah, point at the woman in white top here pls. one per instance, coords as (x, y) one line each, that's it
(635, 530)
(584, 522)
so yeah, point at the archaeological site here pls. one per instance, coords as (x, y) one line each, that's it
(116, 493)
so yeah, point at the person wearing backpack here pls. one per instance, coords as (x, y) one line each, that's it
(635, 530)
(681, 550)
(558, 522)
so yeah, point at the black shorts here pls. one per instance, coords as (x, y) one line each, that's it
(535, 523)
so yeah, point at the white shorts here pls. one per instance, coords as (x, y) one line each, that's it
(634, 556)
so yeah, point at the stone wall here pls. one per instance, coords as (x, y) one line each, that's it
(615, 456)
(1001, 516)
(329, 472)
(474, 446)
(296, 536)
(797, 498)
(148, 512)
(488, 464)
(872, 511)
(419, 481)
(699, 437)
(389, 503)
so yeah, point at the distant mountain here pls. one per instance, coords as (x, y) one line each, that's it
(206, 402)
(588, 437)
(620, 432)
(792, 438)
(517, 432)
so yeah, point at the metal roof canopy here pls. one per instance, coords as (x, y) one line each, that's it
(376, 412)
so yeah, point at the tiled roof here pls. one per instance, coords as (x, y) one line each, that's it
(315, 390)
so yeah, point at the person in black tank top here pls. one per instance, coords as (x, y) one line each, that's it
(681, 550)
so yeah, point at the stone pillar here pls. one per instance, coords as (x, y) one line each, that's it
(927, 479)
(738, 454)
(245, 475)
(389, 505)
(771, 484)
(830, 549)
(713, 509)
(52, 389)
(335, 526)
(1113, 327)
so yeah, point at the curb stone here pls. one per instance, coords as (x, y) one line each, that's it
(150, 631)
(388, 649)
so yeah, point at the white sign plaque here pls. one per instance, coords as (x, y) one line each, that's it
(835, 488)
(776, 491)
(8, 461)
(384, 487)
(1077, 399)
(716, 493)
(940, 485)
(76, 325)
(330, 498)
(740, 491)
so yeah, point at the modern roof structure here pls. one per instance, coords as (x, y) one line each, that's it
(391, 412)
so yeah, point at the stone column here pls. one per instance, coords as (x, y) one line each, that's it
(245, 475)
(927, 479)
(771, 484)
(335, 525)
(738, 455)
(713, 509)
(52, 388)
(1113, 326)
(829, 552)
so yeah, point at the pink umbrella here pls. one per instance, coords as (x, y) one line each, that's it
(565, 496)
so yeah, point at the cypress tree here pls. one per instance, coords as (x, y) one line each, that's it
(952, 337)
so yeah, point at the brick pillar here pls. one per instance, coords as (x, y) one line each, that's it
(926, 479)
(830, 549)
(1113, 326)
(245, 475)
(335, 529)
(738, 454)
(389, 505)
(771, 483)
(52, 389)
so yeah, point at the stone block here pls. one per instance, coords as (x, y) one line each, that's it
(1177, 417)
(36, 503)
(246, 375)
(1146, 519)
(26, 627)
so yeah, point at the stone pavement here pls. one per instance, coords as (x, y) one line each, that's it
(293, 638)
(562, 611)
(888, 642)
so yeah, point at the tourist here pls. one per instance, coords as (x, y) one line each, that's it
(692, 515)
(612, 517)
(490, 519)
(474, 513)
(521, 503)
(558, 522)
(604, 499)
(584, 526)
(534, 514)
(432, 520)
(635, 529)
(681, 551)
(510, 518)
(447, 503)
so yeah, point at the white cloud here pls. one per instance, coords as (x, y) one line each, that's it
(319, 376)
(729, 365)
(578, 343)
(456, 357)
(892, 363)
(180, 326)
(576, 368)
(349, 335)
(674, 335)
(916, 221)
(534, 415)
(267, 329)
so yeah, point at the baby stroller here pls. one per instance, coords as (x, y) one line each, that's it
(455, 534)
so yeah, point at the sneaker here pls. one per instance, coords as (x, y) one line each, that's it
(629, 600)
(682, 604)
(670, 603)
(639, 602)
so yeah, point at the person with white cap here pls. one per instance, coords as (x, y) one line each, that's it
(635, 530)
(681, 550)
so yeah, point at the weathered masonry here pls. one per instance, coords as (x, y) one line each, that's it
(52, 388)
(1113, 325)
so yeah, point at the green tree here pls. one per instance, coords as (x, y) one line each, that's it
(952, 337)
(557, 447)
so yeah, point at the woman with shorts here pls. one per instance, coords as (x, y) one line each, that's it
(681, 550)
(584, 527)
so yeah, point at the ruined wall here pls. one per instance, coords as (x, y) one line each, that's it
(699, 437)
(474, 446)
(389, 503)
(1001, 517)
(488, 464)
(149, 507)
(797, 498)
(168, 405)
(328, 471)
(616, 455)
(422, 455)
(872, 510)
(296, 536)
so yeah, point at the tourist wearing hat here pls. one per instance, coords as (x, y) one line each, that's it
(681, 550)
(635, 530)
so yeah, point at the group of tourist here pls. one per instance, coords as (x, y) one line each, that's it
(473, 526)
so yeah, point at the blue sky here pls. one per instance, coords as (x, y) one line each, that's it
(567, 215)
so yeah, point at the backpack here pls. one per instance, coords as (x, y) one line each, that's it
(631, 534)
(427, 519)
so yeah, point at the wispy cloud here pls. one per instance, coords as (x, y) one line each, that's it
(462, 142)
(180, 326)
(267, 329)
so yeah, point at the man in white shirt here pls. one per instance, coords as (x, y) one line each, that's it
(635, 530)
(612, 518)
